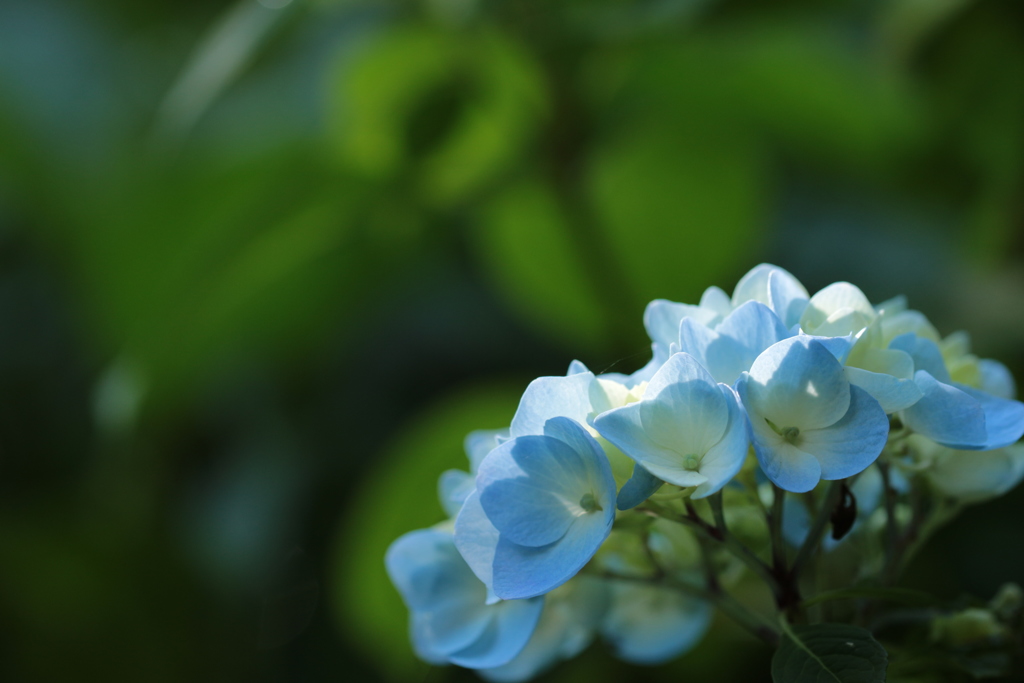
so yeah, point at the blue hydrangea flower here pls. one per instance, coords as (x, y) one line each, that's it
(954, 414)
(543, 505)
(651, 624)
(729, 350)
(450, 618)
(568, 624)
(807, 421)
(688, 430)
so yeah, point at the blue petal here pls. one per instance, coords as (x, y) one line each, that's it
(525, 485)
(849, 446)
(624, 428)
(548, 397)
(638, 489)
(453, 487)
(505, 637)
(785, 465)
(755, 326)
(653, 624)
(683, 410)
(892, 393)
(839, 347)
(725, 459)
(786, 297)
(479, 443)
(946, 415)
(737, 341)
(926, 355)
(661, 319)
(576, 367)
(447, 600)
(524, 572)
(476, 540)
(1004, 419)
(797, 383)
(996, 379)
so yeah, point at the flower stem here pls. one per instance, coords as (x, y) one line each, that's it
(817, 532)
(717, 535)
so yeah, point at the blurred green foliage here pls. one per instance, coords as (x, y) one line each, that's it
(253, 253)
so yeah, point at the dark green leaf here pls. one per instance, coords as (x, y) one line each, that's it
(828, 653)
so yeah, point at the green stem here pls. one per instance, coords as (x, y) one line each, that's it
(891, 525)
(727, 540)
(817, 531)
(775, 526)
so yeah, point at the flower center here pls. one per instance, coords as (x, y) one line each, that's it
(589, 503)
(790, 434)
(691, 462)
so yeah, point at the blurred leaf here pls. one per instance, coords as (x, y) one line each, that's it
(399, 495)
(829, 652)
(528, 251)
(458, 107)
(681, 207)
(218, 60)
(801, 85)
(904, 596)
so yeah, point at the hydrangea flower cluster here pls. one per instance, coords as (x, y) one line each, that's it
(624, 506)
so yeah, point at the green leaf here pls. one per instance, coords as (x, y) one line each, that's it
(398, 496)
(681, 205)
(827, 653)
(455, 110)
(529, 255)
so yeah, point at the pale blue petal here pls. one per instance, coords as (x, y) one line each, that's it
(892, 393)
(784, 464)
(683, 410)
(755, 326)
(661, 319)
(599, 478)
(623, 427)
(576, 367)
(849, 446)
(946, 415)
(638, 489)
(653, 624)
(714, 299)
(526, 486)
(1004, 419)
(725, 459)
(797, 383)
(505, 637)
(548, 397)
(453, 487)
(754, 285)
(926, 355)
(522, 572)
(796, 521)
(839, 347)
(786, 297)
(481, 442)
(680, 368)
(421, 641)
(476, 540)
(447, 600)
(996, 379)
(732, 347)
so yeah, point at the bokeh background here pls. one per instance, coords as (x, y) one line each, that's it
(263, 263)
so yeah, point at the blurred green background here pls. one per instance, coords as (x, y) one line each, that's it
(264, 263)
